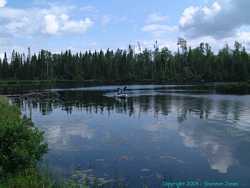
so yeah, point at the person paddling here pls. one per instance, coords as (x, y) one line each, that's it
(124, 89)
(119, 91)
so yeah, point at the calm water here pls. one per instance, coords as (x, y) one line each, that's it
(155, 135)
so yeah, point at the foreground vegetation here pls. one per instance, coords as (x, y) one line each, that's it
(21, 143)
(198, 64)
(21, 148)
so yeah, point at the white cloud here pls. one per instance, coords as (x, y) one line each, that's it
(77, 26)
(64, 17)
(3, 3)
(243, 36)
(221, 19)
(88, 8)
(207, 12)
(159, 29)
(106, 19)
(19, 22)
(37, 21)
(51, 24)
(212, 11)
(155, 18)
(156, 26)
(187, 16)
(22, 27)
(11, 13)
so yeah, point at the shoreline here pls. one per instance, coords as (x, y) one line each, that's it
(24, 86)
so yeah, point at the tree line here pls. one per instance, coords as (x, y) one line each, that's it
(159, 64)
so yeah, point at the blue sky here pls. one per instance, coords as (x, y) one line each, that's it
(81, 25)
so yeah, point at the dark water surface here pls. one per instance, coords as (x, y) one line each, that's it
(155, 135)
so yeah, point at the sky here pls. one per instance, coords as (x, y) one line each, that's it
(80, 25)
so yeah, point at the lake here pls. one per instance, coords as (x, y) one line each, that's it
(155, 136)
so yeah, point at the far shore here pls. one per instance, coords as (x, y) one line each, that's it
(24, 86)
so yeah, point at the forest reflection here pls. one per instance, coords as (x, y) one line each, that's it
(97, 102)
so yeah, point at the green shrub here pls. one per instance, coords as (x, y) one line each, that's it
(21, 144)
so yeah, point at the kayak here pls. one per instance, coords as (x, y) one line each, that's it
(122, 95)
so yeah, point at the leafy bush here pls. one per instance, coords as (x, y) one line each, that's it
(21, 144)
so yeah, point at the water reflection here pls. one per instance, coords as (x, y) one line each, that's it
(146, 138)
(228, 109)
(208, 141)
(61, 136)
